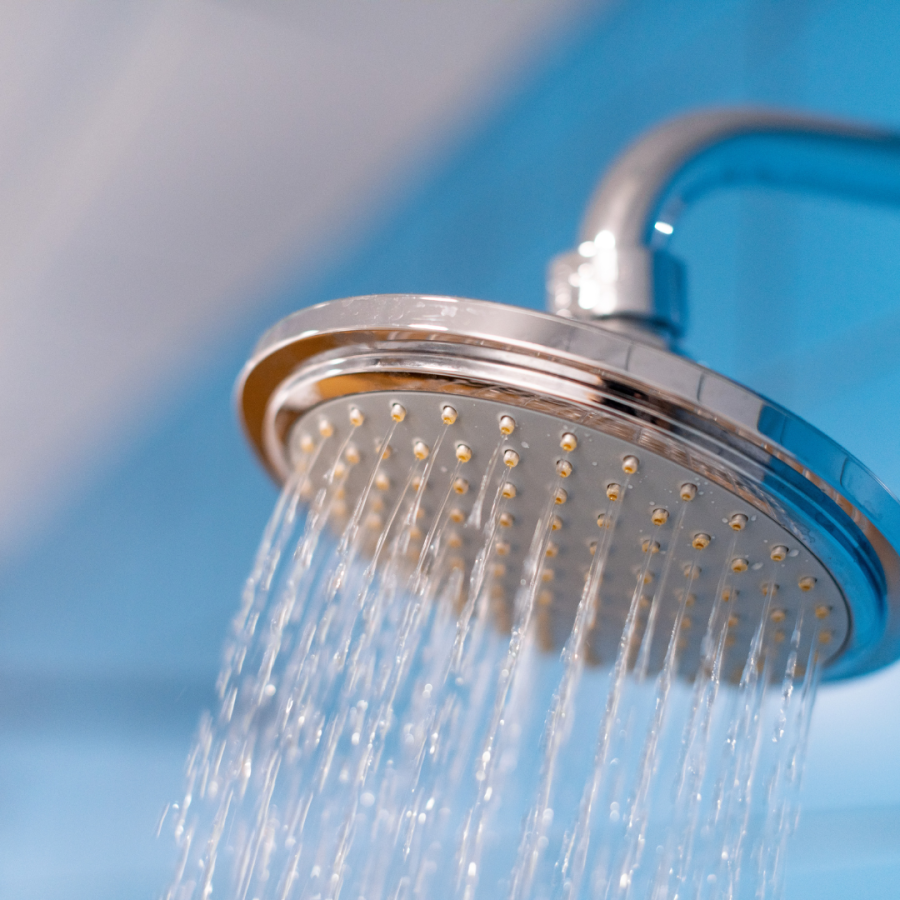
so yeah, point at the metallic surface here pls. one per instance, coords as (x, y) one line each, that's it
(621, 270)
(595, 461)
(576, 372)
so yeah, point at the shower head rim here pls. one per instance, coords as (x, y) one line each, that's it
(456, 320)
(589, 357)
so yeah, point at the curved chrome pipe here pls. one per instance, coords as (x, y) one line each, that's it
(621, 274)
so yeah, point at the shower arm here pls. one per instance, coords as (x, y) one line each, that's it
(622, 277)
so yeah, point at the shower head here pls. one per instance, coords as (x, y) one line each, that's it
(646, 436)
(549, 459)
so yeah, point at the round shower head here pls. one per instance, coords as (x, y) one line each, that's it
(482, 483)
(523, 447)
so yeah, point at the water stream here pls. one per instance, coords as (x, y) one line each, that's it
(391, 726)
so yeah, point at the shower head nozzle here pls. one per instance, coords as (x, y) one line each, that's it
(525, 447)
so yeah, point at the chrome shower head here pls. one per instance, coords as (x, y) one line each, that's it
(754, 508)
(544, 454)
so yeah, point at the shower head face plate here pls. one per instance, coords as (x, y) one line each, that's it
(686, 554)
(618, 397)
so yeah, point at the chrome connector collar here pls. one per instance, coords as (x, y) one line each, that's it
(634, 290)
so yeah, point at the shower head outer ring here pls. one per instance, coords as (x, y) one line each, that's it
(771, 458)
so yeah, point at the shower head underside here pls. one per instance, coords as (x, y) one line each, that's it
(519, 446)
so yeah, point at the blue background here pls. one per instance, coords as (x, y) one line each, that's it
(112, 618)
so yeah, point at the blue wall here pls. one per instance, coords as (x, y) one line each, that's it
(111, 622)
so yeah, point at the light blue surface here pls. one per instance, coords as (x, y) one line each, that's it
(111, 622)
